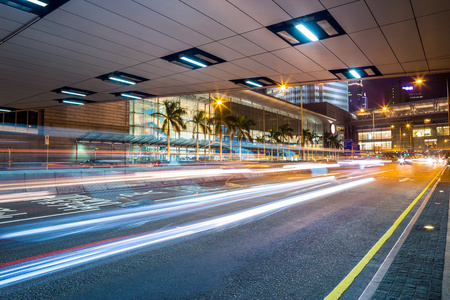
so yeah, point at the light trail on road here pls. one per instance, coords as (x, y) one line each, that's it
(152, 176)
(107, 220)
(45, 265)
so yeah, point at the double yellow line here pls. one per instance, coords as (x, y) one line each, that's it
(348, 280)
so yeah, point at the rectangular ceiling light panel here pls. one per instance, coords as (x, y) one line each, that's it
(317, 26)
(135, 95)
(122, 78)
(73, 101)
(193, 58)
(37, 7)
(260, 82)
(356, 73)
(73, 91)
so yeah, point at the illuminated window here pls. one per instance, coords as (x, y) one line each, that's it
(422, 132)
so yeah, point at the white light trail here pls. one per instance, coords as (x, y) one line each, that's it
(25, 196)
(42, 266)
(161, 210)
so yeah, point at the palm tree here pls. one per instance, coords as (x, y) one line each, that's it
(332, 140)
(199, 123)
(262, 140)
(285, 133)
(222, 118)
(209, 125)
(172, 118)
(231, 133)
(307, 137)
(274, 137)
(315, 139)
(242, 128)
(327, 137)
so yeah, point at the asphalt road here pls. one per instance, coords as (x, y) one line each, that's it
(258, 247)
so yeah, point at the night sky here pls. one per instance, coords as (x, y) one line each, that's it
(434, 86)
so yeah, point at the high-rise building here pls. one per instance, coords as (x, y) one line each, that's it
(355, 96)
(396, 94)
(332, 92)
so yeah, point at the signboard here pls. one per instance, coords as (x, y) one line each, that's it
(47, 140)
(333, 128)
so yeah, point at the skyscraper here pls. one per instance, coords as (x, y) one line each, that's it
(396, 94)
(355, 96)
(335, 93)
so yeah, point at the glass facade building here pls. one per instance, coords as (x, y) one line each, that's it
(335, 93)
(144, 122)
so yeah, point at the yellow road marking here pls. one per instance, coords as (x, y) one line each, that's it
(347, 281)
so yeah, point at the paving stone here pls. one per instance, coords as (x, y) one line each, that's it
(417, 269)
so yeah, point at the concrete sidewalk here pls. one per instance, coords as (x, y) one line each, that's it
(421, 268)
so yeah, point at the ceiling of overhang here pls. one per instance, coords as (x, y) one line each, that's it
(83, 39)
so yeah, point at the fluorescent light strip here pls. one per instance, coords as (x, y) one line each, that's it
(130, 96)
(4, 110)
(306, 32)
(253, 83)
(73, 102)
(73, 93)
(193, 61)
(354, 73)
(40, 3)
(121, 80)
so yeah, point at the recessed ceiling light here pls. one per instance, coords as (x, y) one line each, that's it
(40, 8)
(355, 74)
(135, 95)
(114, 78)
(256, 82)
(253, 83)
(73, 91)
(307, 32)
(130, 96)
(40, 3)
(197, 63)
(313, 27)
(122, 78)
(193, 58)
(73, 102)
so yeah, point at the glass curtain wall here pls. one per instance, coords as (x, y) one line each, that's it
(144, 122)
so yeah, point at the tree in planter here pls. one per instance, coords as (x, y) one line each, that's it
(242, 128)
(285, 133)
(199, 124)
(172, 118)
(274, 137)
